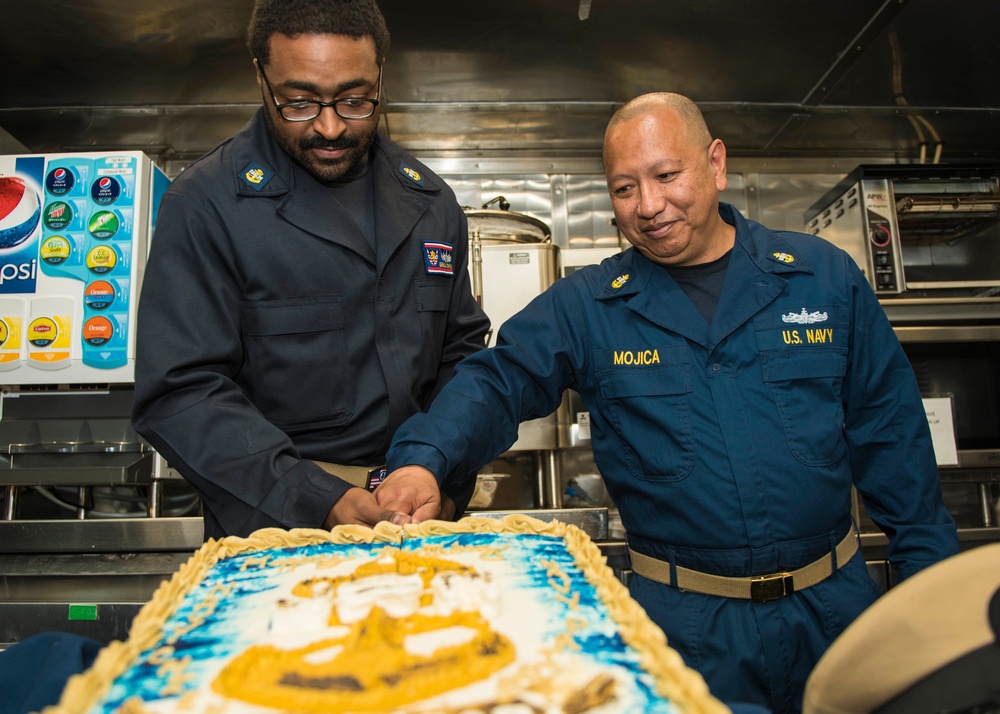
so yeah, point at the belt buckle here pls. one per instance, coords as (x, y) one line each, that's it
(375, 477)
(775, 586)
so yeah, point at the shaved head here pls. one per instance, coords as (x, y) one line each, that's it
(690, 115)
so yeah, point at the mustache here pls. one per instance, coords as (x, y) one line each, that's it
(318, 142)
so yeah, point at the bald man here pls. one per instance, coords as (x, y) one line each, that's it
(739, 381)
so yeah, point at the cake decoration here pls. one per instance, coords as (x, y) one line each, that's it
(511, 616)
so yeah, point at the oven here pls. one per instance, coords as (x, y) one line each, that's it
(927, 230)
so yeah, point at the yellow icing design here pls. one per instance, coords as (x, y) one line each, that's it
(371, 671)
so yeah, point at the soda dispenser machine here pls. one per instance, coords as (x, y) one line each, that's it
(78, 483)
(74, 233)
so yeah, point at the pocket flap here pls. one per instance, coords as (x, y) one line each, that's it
(644, 381)
(779, 367)
(291, 317)
(433, 295)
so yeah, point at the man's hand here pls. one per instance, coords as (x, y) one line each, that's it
(414, 490)
(357, 506)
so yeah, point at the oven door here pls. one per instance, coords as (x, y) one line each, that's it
(961, 363)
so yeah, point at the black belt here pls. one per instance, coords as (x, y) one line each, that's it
(758, 588)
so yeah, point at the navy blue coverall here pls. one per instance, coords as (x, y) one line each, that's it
(271, 333)
(729, 448)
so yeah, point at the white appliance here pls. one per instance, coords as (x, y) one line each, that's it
(74, 231)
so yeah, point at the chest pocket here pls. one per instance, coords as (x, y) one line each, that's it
(807, 389)
(649, 409)
(295, 350)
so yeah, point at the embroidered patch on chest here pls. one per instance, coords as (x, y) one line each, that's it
(439, 258)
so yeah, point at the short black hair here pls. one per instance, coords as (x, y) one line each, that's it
(353, 18)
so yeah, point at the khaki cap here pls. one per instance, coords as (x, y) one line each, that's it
(925, 623)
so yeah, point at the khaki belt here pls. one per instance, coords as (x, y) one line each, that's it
(366, 477)
(759, 588)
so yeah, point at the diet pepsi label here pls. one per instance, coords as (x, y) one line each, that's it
(60, 181)
(105, 190)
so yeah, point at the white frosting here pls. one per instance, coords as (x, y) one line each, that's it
(456, 592)
(398, 595)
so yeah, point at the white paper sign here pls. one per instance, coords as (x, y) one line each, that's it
(939, 417)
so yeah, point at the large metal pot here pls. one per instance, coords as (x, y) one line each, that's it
(501, 224)
(497, 226)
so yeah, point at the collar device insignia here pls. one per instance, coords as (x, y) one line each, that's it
(256, 176)
(620, 281)
(782, 257)
(411, 174)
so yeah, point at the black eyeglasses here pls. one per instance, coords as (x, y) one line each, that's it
(347, 108)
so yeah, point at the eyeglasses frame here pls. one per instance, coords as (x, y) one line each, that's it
(335, 104)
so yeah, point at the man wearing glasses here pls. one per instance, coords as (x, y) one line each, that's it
(306, 291)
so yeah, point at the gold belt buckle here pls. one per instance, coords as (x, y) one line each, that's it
(765, 588)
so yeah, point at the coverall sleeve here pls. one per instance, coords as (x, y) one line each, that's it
(892, 457)
(187, 404)
(476, 416)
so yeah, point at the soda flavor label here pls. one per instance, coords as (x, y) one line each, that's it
(58, 215)
(102, 259)
(43, 331)
(98, 331)
(68, 176)
(104, 224)
(11, 332)
(67, 214)
(105, 341)
(60, 181)
(99, 295)
(61, 255)
(105, 190)
(55, 250)
(10, 341)
(50, 332)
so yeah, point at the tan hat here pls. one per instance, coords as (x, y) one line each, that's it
(934, 637)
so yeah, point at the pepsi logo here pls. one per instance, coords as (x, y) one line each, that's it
(60, 181)
(105, 190)
(20, 211)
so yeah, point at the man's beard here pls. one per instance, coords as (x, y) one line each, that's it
(357, 146)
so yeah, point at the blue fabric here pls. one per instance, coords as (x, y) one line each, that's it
(34, 671)
(729, 448)
(742, 708)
